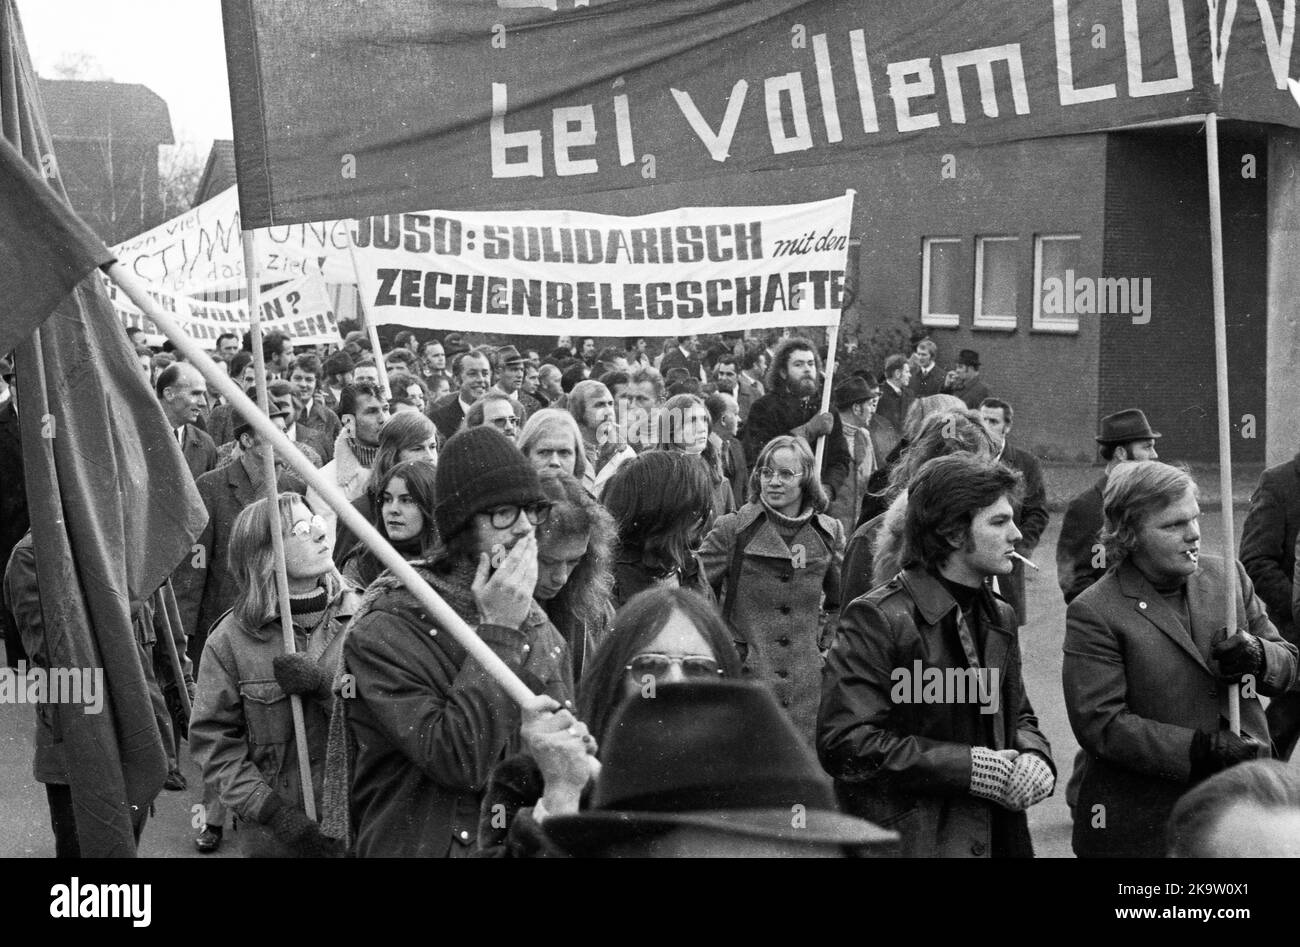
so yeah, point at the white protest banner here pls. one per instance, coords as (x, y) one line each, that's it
(300, 309)
(678, 272)
(200, 250)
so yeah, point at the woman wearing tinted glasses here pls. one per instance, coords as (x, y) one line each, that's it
(241, 729)
(778, 558)
(663, 635)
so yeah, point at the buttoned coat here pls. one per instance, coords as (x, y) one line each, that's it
(778, 601)
(1138, 685)
(907, 766)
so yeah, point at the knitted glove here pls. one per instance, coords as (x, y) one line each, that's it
(1031, 781)
(990, 775)
(299, 674)
(298, 833)
(1239, 654)
(1212, 752)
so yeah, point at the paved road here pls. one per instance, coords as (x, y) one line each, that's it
(24, 826)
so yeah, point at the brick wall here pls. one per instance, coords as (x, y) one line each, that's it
(1157, 225)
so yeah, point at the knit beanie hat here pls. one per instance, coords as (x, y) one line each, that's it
(479, 469)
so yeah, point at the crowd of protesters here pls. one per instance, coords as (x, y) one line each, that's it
(725, 601)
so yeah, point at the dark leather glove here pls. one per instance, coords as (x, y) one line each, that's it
(1239, 654)
(1213, 752)
(300, 834)
(299, 674)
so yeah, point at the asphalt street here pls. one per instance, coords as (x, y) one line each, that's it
(24, 818)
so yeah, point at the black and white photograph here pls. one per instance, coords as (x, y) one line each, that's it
(641, 429)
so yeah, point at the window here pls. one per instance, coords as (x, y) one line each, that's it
(1056, 260)
(995, 282)
(940, 281)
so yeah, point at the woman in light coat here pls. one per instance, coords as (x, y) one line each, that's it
(778, 559)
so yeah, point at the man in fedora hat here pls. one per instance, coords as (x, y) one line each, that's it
(868, 439)
(964, 380)
(1124, 435)
(710, 769)
(510, 371)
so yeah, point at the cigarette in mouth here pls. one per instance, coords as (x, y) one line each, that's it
(1028, 562)
(1190, 554)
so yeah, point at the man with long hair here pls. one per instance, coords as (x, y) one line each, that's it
(924, 723)
(792, 406)
(428, 722)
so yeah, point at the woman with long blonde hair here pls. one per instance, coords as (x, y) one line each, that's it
(241, 729)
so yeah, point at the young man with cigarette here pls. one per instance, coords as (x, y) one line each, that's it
(924, 723)
(1148, 665)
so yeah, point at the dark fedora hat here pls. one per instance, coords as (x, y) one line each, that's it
(509, 355)
(1123, 426)
(719, 755)
(969, 357)
(852, 390)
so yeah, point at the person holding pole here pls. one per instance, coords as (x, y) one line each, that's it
(241, 731)
(791, 406)
(1149, 666)
(427, 721)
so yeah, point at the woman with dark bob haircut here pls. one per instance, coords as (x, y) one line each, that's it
(661, 501)
(663, 635)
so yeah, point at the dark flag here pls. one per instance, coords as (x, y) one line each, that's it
(113, 505)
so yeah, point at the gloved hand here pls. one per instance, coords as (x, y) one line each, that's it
(1212, 752)
(299, 833)
(1031, 781)
(1239, 654)
(299, 674)
(990, 774)
(818, 425)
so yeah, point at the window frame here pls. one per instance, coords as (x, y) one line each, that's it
(946, 320)
(1064, 323)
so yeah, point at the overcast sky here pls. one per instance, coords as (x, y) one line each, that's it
(174, 47)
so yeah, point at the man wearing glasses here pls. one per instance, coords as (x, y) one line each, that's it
(497, 411)
(429, 722)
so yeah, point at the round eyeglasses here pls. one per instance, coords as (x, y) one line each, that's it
(503, 517)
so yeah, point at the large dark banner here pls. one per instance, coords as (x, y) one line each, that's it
(347, 109)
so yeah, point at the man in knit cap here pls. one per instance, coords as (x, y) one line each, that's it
(429, 722)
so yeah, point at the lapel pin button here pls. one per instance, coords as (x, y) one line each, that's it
(1142, 604)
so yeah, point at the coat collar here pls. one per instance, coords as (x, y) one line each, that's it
(934, 603)
(767, 541)
(1151, 605)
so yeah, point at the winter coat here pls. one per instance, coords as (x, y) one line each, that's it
(1076, 549)
(906, 765)
(430, 723)
(241, 728)
(1268, 542)
(199, 450)
(1138, 685)
(324, 420)
(775, 608)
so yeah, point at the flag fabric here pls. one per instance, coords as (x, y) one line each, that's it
(345, 109)
(113, 505)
